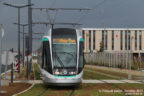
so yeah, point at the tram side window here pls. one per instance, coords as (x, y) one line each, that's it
(46, 57)
(81, 58)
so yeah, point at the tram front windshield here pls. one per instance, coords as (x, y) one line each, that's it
(64, 48)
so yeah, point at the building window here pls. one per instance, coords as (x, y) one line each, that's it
(89, 39)
(94, 39)
(135, 40)
(140, 37)
(104, 39)
(127, 39)
(112, 40)
(121, 40)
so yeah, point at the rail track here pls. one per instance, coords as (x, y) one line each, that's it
(43, 92)
(114, 85)
(72, 92)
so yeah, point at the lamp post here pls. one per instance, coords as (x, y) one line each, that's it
(23, 25)
(30, 28)
(18, 7)
(1, 33)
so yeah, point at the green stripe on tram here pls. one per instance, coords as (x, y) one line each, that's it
(81, 39)
(65, 76)
(45, 39)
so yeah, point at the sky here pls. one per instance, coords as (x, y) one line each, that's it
(103, 14)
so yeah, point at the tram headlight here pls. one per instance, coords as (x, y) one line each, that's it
(57, 73)
(72, 73)
(64, 72)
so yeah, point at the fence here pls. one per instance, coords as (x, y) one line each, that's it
(116, 60)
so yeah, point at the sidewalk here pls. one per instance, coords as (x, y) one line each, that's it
(87, 81)
(126, 71)
(15, 87)
(111, 81)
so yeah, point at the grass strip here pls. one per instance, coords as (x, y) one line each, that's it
(37, 74)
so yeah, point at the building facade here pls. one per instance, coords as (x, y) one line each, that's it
(113, 39)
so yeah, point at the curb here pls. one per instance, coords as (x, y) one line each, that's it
(25, 90)
(29, 87)
(4, 72)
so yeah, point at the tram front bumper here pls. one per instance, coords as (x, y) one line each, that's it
(62, 81)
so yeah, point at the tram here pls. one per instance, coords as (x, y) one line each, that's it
(61, 58)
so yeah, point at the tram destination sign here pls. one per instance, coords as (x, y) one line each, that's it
(63, 40)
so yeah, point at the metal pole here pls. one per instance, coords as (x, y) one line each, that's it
(23, 45)
(30, 32)
(30, 26)
(19, 29)
(27, 63)
(109, 59)
(127, 48)
(12, 73)
(12, 69)
(27, 74)
(6, 63)
(18, 40)
(0, 54)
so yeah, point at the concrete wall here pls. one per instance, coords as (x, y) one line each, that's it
(117, 39)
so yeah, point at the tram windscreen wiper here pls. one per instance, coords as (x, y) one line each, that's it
(69, 54)
(58, 59)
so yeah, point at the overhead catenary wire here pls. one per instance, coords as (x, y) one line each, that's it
(66, 9)
(51, 20)
(88, 11)
(94, 8)
(39, 32)
(57, 23)
(57, 9)
(48, 16)
(47, 13)
(54, 17)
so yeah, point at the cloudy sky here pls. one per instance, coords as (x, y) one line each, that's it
(104, 13)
